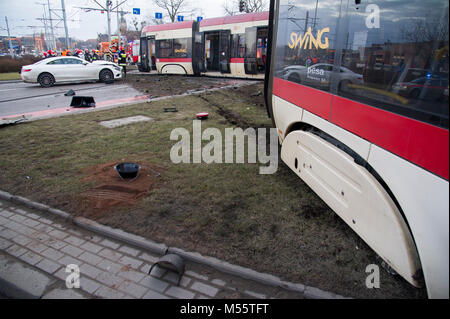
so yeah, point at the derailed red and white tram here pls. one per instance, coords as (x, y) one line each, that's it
(234, 46)
(358, 92)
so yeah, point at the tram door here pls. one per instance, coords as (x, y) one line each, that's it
(250, 61)
(152, 52)
(144, 65)
(224, 50)
(198, 53)
(147, 54)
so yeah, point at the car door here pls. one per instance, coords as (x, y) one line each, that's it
(78, 70)
(89, 71)
(56, 68)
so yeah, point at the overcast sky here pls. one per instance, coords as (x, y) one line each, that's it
(23, 13)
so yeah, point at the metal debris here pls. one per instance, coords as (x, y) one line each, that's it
(82, 101)
(70, 93)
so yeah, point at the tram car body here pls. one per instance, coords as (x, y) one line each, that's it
(234, 46)
(340, 91)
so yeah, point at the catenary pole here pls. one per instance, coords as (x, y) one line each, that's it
(108, 7)
(51, 25)
(63, 7)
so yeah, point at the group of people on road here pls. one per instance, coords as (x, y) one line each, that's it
(85, 55)
(90, 56)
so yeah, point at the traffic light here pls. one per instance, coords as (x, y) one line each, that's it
(241, 5)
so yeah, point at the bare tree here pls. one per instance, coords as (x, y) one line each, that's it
(135, 23)
(174, 7)
(429, 36)
(232, 7)
(257, 5)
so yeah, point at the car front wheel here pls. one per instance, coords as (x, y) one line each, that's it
(106, 76)
(46, 80)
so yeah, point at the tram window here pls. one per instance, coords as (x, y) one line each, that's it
(241, 46)
(234, 45)
(238, 43)
(164, 48)
(250, 47)
(403, 58)
(377, 53)
(180, 48)
(304, 39)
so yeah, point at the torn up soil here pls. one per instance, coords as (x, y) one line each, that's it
(110, 190)
(166, 85)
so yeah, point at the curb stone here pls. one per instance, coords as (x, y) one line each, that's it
(237, 270)
(119, 234)
(315, 293)
(162, 249)
(5, 195)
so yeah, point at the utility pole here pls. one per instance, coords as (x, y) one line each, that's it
(306, 20)
(109, 9)
(315, 15)
(51, 25)
(47, 36)
(44, 21)
(11, 50)
(118, 22)
(108, 16)
(63, 7)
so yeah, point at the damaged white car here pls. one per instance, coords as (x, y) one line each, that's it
(62, 69)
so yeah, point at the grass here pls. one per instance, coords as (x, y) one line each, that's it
(9, 76)
(271, 223)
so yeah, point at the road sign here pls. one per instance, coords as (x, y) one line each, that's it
(136, 11)
(199, 19)
(158, 15)
(180, 18)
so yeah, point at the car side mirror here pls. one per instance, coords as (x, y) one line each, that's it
(85, 63)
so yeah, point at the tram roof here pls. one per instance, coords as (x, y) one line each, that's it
(168, 26)
(241, 18)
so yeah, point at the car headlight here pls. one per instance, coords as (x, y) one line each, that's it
(117, 68)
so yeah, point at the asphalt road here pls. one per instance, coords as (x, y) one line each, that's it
(23, 98)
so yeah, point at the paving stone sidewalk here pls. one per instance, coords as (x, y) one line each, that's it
(35, 249)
